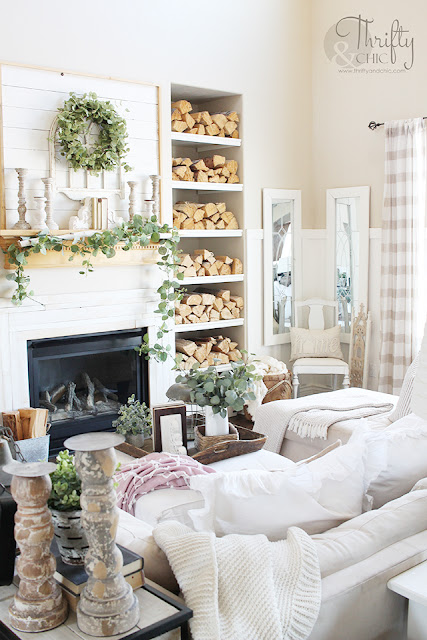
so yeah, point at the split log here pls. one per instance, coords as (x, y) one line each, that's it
(235, 356)
(190, 122)
(218, 304)
(208, 256)
(88, 384)
(176, 162)
(233, 179)
(212, 130)
(199, 165)
(182, 105)
(202, 117)
(193, 318)
(192, 299)
(226, 314)
(198, 215)
(207, 299)
(183, 310)
(198, 309)
(200, 353)
(230, 305)
(229, 127)
(221, 207)
(185, 260)
(201, 176)
(222, 346)
(210, 209)
(178, 126)
(225, 270)
(71, 398)
(180, 171)
(220, 120)
(185, 346)
(208, 224)
(200, 129)
(214, 315)
(232, 166)
(12, 420)
(235, 312)
(237, 267)
(175, 114)
(238, 300)
(216, 161)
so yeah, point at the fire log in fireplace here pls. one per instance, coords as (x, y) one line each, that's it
(83, 380)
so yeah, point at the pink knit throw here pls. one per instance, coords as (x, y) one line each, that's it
(155, 471)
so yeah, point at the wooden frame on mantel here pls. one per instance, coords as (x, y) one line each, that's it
(13, 233)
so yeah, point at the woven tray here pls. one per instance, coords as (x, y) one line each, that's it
(248, 442)
(202, 442)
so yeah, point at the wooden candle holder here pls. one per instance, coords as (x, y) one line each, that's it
(107, 604)
(38, 605)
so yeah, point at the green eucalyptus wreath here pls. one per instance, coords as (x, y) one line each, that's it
(75, 119)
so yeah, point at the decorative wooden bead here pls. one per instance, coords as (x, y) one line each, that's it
(107, 604)
(38, 605)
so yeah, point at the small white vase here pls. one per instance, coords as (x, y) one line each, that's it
(215, 424)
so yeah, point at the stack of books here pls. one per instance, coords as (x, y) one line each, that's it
(73, 578)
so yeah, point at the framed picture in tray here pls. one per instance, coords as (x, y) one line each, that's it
(170, 428)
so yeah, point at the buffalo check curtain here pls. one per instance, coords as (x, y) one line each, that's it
(402, 251)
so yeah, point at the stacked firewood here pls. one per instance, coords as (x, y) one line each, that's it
(211, 215)
(211, 351)
(203, 123)
(204, 263)
(202, 306)
(213, 169)
(26, 423)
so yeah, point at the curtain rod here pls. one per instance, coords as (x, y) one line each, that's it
(373, 125)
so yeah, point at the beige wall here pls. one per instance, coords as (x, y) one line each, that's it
(345, 152)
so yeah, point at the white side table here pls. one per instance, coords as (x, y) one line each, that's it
(412, 584)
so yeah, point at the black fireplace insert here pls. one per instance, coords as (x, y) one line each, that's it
(82, 380)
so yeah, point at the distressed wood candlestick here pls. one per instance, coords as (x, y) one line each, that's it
(132, 199)
(22, 205)
(107, 604)
(38, 604)
(48, 194)
(156, 195)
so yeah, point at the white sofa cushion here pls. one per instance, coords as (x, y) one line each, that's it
(316, 343)
(362, 537)
(397, 458)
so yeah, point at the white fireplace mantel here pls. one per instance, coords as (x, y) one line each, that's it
(61, 315)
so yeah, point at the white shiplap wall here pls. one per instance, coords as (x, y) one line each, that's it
(29, 102)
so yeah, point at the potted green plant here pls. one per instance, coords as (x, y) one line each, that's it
(64, 504)
(220, 391)
(134, 421)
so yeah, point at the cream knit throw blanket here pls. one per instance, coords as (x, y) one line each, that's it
(311, 421)
(245, 587)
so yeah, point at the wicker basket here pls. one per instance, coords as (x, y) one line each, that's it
(203, 442)
(279, 387)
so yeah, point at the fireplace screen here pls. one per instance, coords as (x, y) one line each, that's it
(83, 380)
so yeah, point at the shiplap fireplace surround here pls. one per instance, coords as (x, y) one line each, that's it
(61, 315)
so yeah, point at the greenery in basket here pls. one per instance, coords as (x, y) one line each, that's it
(139, 232)
(221, 390)
(66, 484)
(134, 418)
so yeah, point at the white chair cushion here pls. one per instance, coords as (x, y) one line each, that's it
(315, 343)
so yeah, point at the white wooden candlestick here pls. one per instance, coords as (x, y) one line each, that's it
(107, 604)
(48, 194)
(22, 206)
(149, 208)
(39, 219)
(156, 195)
(132, 199)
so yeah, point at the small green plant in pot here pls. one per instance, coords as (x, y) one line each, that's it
(64, 504)
(220, 391)
(134, 421)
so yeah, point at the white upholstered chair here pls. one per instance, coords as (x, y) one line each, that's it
(318, 366)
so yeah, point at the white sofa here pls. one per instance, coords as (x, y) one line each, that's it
(296, 448)
(356, 560)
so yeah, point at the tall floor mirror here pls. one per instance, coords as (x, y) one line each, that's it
(282, 226)
(348, 251)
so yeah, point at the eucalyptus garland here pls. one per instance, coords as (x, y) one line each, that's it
(139, 232)
(74, 122)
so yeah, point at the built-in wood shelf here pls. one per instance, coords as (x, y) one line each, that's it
(206, 186)
(201, 326)
(192, 139)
